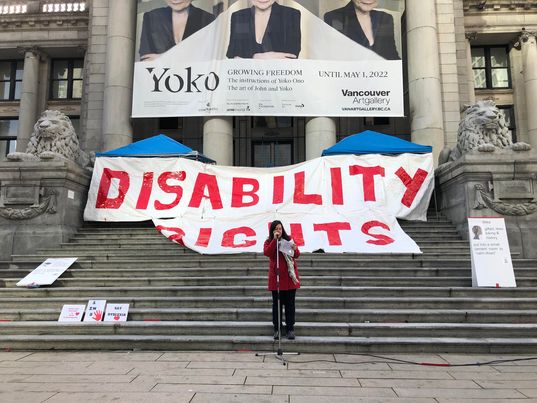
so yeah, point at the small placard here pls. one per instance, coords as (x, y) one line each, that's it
(47, 272)
(116, 313)
(491, 257)
(72, 313)
(95, 310)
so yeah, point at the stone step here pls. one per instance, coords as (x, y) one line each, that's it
(333, 281)
(304, 344)
(230, 261)
(31, 263)
(425, 246)
(349, 281)
(304, 314)
(22, 269)
(425, 242)
(254, 291)
(472, 303)
(303, 329)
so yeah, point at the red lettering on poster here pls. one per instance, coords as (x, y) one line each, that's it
(177, 190)
(238, 193)
(145, 191)
(380, 239)
(297, 234)
(332, 231)
(103, 201)
(337, 186)
(277, 193)
(209, 182)
(228, 239)
(300, 197)
(413, 185)
(369, 174)
(204, 237)
(178, 235)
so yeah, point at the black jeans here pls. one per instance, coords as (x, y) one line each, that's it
(287, 299)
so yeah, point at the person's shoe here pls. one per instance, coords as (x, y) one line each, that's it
(276, 335)
(291, 335)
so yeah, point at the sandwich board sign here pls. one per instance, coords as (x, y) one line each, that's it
(491, 257)
(72, 313)
(95, 310)
(47, 272)
(116, 312)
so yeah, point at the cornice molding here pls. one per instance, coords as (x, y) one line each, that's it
(43, 21)
(499, 5)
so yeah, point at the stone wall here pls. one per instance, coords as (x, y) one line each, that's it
(41, 204)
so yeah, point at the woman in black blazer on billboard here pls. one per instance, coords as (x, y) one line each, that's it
(165, 27)
(267, 30)
(370, 28)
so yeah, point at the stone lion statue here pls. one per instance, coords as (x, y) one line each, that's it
(482, 128)
(53, 137)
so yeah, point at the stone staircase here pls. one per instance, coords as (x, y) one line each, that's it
(348, 303)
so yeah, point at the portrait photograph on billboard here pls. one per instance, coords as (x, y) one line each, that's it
(268, 57)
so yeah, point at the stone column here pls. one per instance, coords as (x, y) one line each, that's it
(117, 129)
(320, 134)
(529, 69)
(29, 97)
(470, 36)
(218, 139)
(424, 86)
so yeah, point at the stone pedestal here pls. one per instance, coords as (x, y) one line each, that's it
(499, 184)
(41, 204)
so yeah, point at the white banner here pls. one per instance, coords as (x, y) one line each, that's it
(313, 59)
(47, 272)
(491, 257)
(343, 203)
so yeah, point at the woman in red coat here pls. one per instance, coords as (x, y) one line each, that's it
(289, 278)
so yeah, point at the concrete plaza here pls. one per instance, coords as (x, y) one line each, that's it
(155, 376)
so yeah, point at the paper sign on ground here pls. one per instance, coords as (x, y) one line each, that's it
(72, 313)
(491, 258)
(95, 310)
(47, 272)
(116, 313)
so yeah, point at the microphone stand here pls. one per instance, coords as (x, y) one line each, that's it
(279, 353)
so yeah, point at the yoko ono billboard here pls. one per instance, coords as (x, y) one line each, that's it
(267, 57)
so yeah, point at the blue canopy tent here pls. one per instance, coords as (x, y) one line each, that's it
(157, 146)
(370, 142)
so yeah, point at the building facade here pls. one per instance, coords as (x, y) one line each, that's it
(78, 57)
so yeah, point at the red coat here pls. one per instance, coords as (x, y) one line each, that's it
(269, 249)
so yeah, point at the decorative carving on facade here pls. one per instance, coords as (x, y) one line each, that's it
(523, 38)
(53, 138)
(498, 5)
(484, 200)
(482, 128)
(47, 204)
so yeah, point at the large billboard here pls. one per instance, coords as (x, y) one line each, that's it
(267, 57)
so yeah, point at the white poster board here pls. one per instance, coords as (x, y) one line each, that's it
(116, 313)
(47, 272)
(72, 313)
(95, 310)
(491, 258)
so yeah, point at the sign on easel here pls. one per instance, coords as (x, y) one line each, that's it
(491, 257)
(47, 272)
(95, 310)
(72, 313)
(116, 313)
